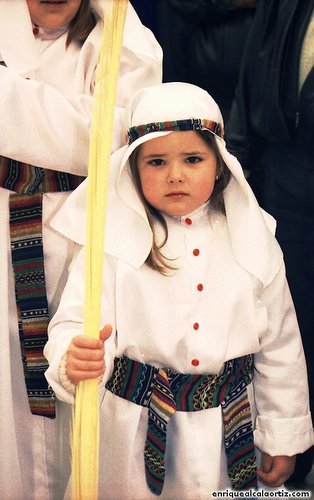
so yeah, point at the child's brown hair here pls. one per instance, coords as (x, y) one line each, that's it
(82, 24)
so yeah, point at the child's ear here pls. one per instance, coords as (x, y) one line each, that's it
(219, 171)
(220, 168)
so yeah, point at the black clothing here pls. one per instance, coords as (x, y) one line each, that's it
(267, 103)
(203, 44)
(271, 131)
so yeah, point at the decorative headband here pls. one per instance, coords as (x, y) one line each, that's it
(173, 126)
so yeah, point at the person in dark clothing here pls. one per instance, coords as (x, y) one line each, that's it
(271, 131)
(202, 41)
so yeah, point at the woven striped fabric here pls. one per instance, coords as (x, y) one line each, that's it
(238, 438)
(29, 183)
(161, 408)
(33, 317)
(164, 392)
(174, 126)
(27, 179)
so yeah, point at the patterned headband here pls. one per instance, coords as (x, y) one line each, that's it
(175, 125)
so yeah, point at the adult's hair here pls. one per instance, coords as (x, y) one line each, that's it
(82, 24)
(156, 260)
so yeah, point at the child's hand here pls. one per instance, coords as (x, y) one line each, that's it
(276, 470)
(85, 356)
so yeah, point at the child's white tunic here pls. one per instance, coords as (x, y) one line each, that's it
(210, 310)
(45, 111)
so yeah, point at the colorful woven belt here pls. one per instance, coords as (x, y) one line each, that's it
(27, 184)
(164, 392)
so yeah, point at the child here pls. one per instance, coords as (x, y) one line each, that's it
(194, 292)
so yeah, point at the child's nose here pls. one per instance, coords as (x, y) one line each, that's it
(175, 173)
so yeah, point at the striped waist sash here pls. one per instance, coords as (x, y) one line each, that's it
(164, 392)
(28, 183)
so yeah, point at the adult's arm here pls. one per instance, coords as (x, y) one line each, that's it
(42, 127)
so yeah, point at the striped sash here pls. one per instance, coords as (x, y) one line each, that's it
(164, 392)
(28, 183)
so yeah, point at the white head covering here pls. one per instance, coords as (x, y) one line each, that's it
(177, 106)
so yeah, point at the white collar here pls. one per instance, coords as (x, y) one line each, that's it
(198, 215)
(48, 34)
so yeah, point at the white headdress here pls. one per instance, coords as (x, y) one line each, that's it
(156, 111)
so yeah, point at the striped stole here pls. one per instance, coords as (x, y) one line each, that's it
(27, 184)
(164, 392)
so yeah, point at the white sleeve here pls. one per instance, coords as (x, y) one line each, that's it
(42, 127)
(68, 320)
(283, 423)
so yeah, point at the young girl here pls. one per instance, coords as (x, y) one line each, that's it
(201, 340)
(48, 59)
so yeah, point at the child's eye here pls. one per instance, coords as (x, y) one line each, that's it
(193, 159)
(156, 162)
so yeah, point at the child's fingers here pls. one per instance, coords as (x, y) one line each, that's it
(85, 342)
(270, 478)
(83, 366)
(276, 470)
(78, 375)
(85, 356)
(85, 359)
(267, 462)
(78, 369)
(85, 353)
(105, 332)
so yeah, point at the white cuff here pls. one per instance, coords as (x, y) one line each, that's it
(284, 436)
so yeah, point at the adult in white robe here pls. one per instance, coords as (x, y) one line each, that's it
(46, 105)
(243, 307)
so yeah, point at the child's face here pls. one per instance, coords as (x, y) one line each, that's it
(177, 172)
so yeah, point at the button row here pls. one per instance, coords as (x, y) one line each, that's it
(195, 362)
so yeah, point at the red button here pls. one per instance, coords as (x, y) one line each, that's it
(188, 221)
(196, 326)
(200, 287)
(195, 362)
(35, 31)
(196, 252)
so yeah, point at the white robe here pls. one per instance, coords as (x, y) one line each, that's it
(46, 104)
(154, 318)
